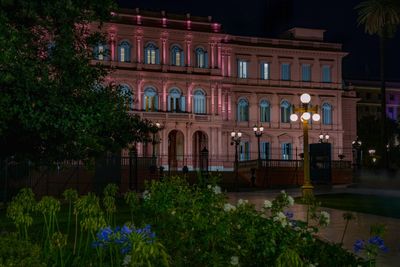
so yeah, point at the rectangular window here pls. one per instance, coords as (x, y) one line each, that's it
(122, 56)
(306, 72)
(242, 69)
(244, 151)
(178, 58)
(101, 52)
(286, 151)
(265, 71)
(285, 71)
(264, 150)
(326, 74)
(150, 103)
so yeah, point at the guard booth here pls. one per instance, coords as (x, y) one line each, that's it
(320, 163)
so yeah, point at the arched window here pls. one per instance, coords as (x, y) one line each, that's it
(126, 92)
(176, 101)
(151, 54)
(286, 110)
(199, 102)
(124, 51)
(201, 58)
(150, 99)
(326, 114)
(243, 110)
(100, 52)
(177, 56)
(265, 111)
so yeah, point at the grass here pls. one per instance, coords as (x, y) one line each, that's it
(378, 205)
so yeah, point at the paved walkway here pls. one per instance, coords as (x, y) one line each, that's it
(357, 229)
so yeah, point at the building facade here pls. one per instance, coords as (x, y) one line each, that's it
(200, 84)
(369, 93)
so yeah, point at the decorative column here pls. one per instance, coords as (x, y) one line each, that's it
(139, 48)
(164, 95)
(229, 107)
(112, 45)
(212, 99)
(139, 83)
(229, 66)
(212, 54)
(219, 55)
(223, 66)
(219, 111)
(164, 51)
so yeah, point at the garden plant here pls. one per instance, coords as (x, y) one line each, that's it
(171, 224)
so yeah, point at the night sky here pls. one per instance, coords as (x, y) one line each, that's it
(268, 18)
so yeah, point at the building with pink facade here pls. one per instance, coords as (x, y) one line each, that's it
(200, 83)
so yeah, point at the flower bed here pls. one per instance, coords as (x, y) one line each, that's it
(174, 224)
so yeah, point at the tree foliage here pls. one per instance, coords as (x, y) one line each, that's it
(54, 103)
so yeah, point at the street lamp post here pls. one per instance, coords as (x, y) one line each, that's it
(258, 132)
(356, 144)
(305, 109)
(236, 137)
(323, 138)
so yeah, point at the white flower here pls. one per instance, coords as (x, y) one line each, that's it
(290, 200)
(234, 260)
(217, 190)
(127, 260)
(281, 217)
(173, 212)
(242, 202)
(209, 186)
(324, 218)
(283, 192)
(146, 195)
(228, 207)
(267, 204)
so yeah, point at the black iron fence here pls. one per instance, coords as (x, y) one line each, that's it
(128, 172)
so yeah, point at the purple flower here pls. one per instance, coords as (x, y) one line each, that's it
(288, 215)
(378, 241)
(358, 245)
(104, 234)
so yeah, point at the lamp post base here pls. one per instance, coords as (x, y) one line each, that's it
(307, 191)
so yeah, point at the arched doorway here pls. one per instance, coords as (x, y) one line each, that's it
(175, 150)
(200, 141)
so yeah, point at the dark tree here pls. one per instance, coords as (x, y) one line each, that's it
(54, 103)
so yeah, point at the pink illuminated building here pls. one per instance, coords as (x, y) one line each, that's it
(200, 84)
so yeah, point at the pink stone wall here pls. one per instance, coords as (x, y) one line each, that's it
(223, 88)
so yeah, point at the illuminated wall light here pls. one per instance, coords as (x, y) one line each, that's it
(188, 24)
(139, 19)
(216, 27)
(164, 22)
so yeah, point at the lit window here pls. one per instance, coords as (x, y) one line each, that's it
(286, 111)
(150, 99)
(265, 71)
(100, 52)
(201, 58)
(151, 54)
(199, 102)
(176, 56)
(286, 151)
(265, 111)
(176, 101)
(326, 114)
(242, 69)
(124, 49)
(243, 110)
(126, 92)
